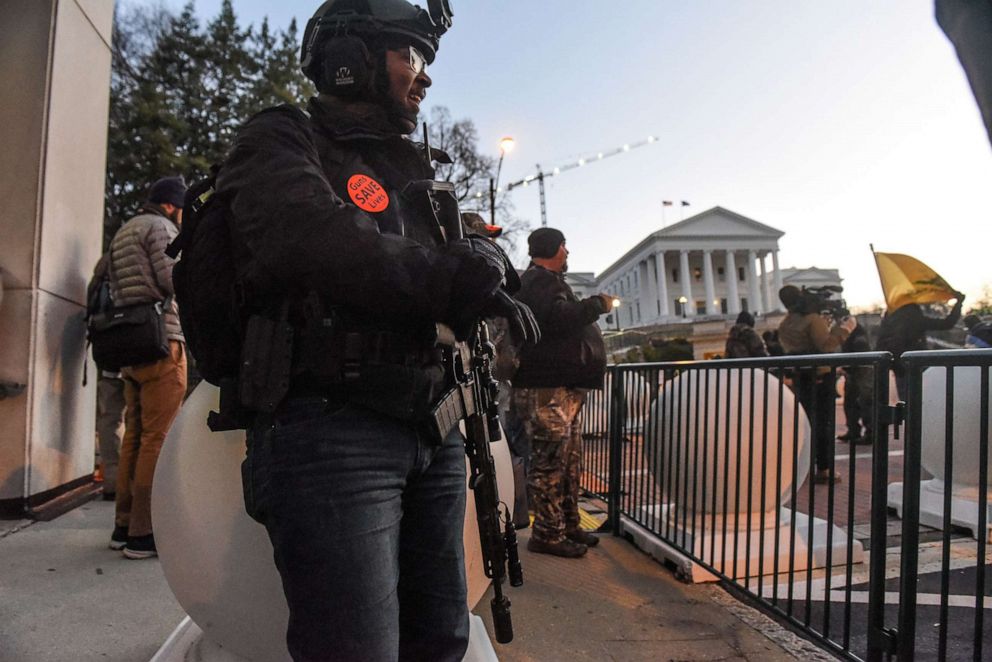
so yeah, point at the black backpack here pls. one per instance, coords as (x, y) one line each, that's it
(98, 302)
(206, 283)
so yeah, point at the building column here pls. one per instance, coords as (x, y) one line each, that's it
(649, 310)
(689, 308)
(753, 292)
(662, 272)
(644, 302)
(711, 307)
(766, 299)
(733, 294)
(777, 275)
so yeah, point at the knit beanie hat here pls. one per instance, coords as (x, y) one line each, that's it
(168, 191)
(544, 242)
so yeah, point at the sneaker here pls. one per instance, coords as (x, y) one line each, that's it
(584, 537)
(850, 435)
(118, 538)
(822, 477)
(566, 548)
(140, 547)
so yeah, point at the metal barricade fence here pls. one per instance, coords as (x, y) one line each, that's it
(711, 465)
(943, 498)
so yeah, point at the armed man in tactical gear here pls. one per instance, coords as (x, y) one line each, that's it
(348, 276)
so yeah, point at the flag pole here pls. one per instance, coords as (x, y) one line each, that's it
(664, 221)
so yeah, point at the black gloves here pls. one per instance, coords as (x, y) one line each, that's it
(484, 280)
(523, 326)
(475, 247)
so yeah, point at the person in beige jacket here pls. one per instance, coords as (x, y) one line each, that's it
(805, 331)
(141, 272)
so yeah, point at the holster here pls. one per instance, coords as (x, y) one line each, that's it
(231, 415)
(266, 362)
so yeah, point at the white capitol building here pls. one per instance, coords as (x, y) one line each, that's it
(702, 271)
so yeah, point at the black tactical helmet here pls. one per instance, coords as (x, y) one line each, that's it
(371, 18)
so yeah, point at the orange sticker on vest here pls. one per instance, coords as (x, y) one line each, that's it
(367, 193)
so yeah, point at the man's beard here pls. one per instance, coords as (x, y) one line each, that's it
(404, 120)
(564, 267)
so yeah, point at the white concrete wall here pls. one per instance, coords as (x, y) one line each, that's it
(55, 73)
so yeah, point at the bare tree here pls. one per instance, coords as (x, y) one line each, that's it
(470, 173)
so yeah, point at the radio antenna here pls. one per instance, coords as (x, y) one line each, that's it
(427, 145)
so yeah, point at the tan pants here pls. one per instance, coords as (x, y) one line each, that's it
(154, 393)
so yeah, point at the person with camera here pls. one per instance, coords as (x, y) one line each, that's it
(804, 330)
(339, 240)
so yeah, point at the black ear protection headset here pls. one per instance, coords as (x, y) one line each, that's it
(336, 53)
(346, 67)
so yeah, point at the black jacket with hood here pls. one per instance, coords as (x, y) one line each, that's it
(571, 351)
(320, 204)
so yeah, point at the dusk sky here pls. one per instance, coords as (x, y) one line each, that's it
(841, 123)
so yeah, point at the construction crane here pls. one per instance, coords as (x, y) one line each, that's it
(554, 172)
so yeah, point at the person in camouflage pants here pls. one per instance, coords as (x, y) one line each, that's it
(549, 390)
(552, 421)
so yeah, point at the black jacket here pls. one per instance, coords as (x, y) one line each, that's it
(319, 205)
(905, 330)
(287, 182)
(571, 351)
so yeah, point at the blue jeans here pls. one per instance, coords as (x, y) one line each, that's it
(365, 517)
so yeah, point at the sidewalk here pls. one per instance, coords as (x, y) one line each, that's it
(618, 604)
(65, 596)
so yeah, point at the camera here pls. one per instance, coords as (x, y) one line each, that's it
(818, 300)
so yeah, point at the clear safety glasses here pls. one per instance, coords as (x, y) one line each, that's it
(417, 61)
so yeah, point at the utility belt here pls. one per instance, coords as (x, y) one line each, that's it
(395, 374)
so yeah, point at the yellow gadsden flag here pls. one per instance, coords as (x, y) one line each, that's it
(906, 280)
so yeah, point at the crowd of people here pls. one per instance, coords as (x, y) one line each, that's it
(811, 328)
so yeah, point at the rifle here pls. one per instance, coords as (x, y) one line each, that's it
(476, 389)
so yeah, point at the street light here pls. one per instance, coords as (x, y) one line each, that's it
(616, 312)
(506, 144)
(682, 302)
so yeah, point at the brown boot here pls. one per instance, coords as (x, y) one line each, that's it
(565, 548)
(584, 537)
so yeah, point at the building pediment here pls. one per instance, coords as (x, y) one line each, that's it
(810, 276)
(719, 223)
